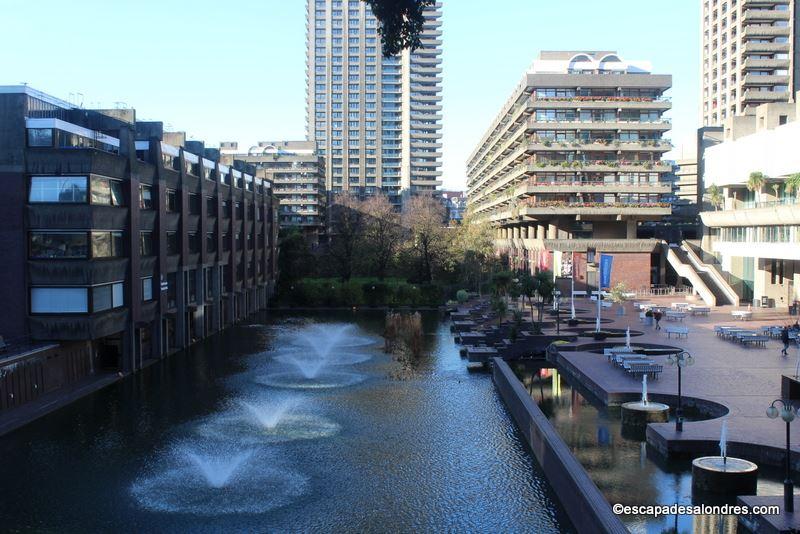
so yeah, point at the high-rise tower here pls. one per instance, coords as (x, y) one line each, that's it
(749, 56)
(376, 120)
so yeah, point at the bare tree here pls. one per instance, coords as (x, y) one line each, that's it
(423, 218)
(347, 226)
(382, 233)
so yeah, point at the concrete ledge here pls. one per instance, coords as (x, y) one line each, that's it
(769, 524)
(587, 508)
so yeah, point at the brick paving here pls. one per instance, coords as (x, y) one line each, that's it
(745, 379)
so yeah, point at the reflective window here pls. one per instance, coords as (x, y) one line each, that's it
(62, 245)
(59, 300)
(65, 189)
(107, 245)
(38, 137)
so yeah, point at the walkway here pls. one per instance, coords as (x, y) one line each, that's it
(744, 379)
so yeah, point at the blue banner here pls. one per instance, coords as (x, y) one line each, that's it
(606, 262)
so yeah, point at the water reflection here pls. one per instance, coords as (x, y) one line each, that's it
(625, 469)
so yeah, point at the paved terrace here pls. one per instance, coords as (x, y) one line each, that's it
(745, 379)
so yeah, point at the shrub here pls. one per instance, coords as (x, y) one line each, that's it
(462, 296)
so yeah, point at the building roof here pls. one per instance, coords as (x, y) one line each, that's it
(564, 62)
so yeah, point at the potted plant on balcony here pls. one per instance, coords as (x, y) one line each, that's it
(756, 183)
(715, 196)
(792, 184)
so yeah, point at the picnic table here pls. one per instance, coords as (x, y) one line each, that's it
(699, 310)
(677, 331)
(680, 305)
(675, 315)
(742, 315)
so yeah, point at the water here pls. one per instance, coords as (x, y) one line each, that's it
(624, 469)
(202, 442)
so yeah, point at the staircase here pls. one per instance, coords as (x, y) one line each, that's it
(718, 280)
(706, 281)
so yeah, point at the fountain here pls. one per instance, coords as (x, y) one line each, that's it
(218, 470)
(637, 414)
(311, 369)
(628, 337)
(256, 422)
(196, 478)
(721, 475)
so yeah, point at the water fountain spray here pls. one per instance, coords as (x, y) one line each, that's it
(644, 389)
(723, 442)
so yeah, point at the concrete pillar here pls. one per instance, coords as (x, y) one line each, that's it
(516, 232)
(552, 231)
(540, 231)
(531, 232)
(631, 230)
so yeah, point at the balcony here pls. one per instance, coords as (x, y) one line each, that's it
(562, 208)
(599, 166)
(762, 214)
(764, 48)
(765, 14)
(759, 64)
(535, 187)
(606, 102)
(751, 80)
(538, 145)
(662, 125)
(753, 95)
(765, 30)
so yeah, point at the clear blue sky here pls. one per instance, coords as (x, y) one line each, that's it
(235, 70)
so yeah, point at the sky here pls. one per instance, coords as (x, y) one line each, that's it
(235, 70)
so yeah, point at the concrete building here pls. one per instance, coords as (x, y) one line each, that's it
(121, 242)
(297, 174)
(376, 120)
(572, 165)
(750, 56)
(755, 235)
(455, 202)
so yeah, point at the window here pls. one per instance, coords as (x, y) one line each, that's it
(145, 197)
(107, 296)
(59, 300)
(193, 243)
(172, 243)
(172, 200)
(64, 189)
(107, 245)
(61, 245)
(146, 244)
(38, 137)
(147, 288)
(107, 192)
(226, 242)
(194, 204)
(191, 283)
(211, 206)
(208, 286)
(172, 290)
(211, 242)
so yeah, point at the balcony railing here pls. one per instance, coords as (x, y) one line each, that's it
(600, 98)
(531, 203)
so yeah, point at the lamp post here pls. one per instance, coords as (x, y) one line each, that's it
(681, 359)
(787, 413)
(557, 303)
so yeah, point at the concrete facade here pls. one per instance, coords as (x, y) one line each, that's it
(573, 162)
(376, 120)
(749, 56)
(755, 234)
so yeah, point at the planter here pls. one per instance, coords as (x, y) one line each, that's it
(573, 322)
(648, 321)
(600, 336)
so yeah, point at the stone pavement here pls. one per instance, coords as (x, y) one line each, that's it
(745, 379)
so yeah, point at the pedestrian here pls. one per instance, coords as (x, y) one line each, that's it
(657, 316)
(785, 340)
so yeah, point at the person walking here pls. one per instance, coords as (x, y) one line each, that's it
(785, 340)
(657, 317)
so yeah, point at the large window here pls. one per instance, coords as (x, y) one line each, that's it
(66, 189)
(145, 197)
(107, 296)
(172, 200)
(59, 300)
(39, 137)
(146, 247)
(147, 288)
(172, 243)
(61, 245)
(107, 192)
(107, 245)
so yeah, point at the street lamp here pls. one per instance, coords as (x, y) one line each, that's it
(787, 413)
(681, 359)
(557, 307)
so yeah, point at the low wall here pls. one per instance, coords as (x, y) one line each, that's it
(587, 508)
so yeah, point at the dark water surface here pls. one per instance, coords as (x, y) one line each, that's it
(367, 452)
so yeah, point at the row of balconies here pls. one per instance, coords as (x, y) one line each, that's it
(652, 210)
(655, 126)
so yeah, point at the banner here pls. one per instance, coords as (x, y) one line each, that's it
(606, 262)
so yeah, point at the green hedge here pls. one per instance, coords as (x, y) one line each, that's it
(321, 292)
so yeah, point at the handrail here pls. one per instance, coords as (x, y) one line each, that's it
(718, 279)
(686, 271)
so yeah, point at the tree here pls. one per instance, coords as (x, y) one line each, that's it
(428, 243)
(382, 233)
(545, 288)
(500, 307)
(793, 184)
(347, 228)
(756, 183)
(528, 286)
(399, 23)
(714, 196)
(472, 249)
(295, 260)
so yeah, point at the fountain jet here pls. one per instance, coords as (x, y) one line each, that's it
(218, 470)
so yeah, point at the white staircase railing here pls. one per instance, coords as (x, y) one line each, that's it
(687, 271)
(722, 284)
